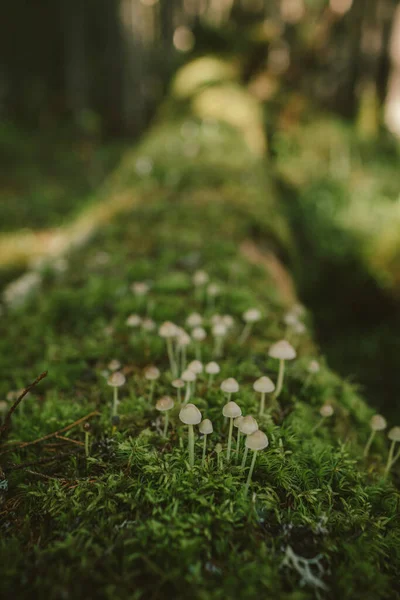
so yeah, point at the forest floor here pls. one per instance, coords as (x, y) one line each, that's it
(128, 517)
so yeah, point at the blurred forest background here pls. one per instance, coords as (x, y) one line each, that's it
(80, 81)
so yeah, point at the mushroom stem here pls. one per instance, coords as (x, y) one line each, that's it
(253, 462)
(281, 374)
(183, 358)
(198, 351)
(151, 394)
(245, 333)
(238, 445)
(246, 451)
(368, 444)
(179, 395)
(390, 458)
(228, 452)
(395, 459)
(262, 403)
(115, 403)
(87, 450)
(187, 393)
(318, 425)
(210, 380)
(218, 346)
(204, 449)
(172, 362)
(191, 446)
(166, 424)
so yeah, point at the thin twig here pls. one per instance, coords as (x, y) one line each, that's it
(66, 439)
(7, 421)
(41, 461)
(54, 434)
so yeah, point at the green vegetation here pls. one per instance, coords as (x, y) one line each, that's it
(131, 520)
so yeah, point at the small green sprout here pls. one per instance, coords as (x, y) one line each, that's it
(377, 423)
(190, 415)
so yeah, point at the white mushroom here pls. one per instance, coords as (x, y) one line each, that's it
(190, 415)
(263, 386)
(188, 377)
(250, 317)
(206, 428)
(165, 404)
(212, 368)
(283, 351)
(182, 342)
(325, 411)
(231, 410)
(151, 374)
(377, 423)
(114, 365)
(169, 331)
(236, 423)
(394, 437)
(219, 332)
(229, 386)
(194, 320)
(116, 380)
(199, 335)
(178, 384)
(256, 441)
(133, 320)
(248, 426)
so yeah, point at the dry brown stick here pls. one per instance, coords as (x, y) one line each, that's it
(66, 439)
(7, 421)
(54, 434)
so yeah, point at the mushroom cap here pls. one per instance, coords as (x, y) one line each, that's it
(200, 278)
(228, 321)
(249, 425)
(326, 410)
(140, 288)
(264, 385)
(194, 320)
(216, 319)
(133, 320)
(378, 423)
(290, 319)
(213, 289)
(282, 350)
(196, 366)
(394, 434)
(237, 421)
(219, 330)
(231, 410)
(218, 448)
(178, 383)
(114, 365)
(190, 414)
(168, 330)
(257, 440)
(188, 376)
(212, 368)
(148, 325)
(229, 386)
(183, 339)
(313, 367)
(116, 379)
(199, 334)
(151, 373)
(252, 315)
(206, 427)
(164, 403)
(299, 328)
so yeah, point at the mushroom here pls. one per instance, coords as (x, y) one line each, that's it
(199, 335)
(190, 415)
(248, 426)
(200, 278)
(212, 368)
(218, 450)
(151, 374)
(325, 411)
(283, 351)
(114, 365)
(194, 320)
(250, 317)
(394, 436)
(229, 386)
(178, 384)
(182, 342)
(116, 380)
(219, 332)
(133, 320)
(205, 428)
(165, 404)
(213, 290)
(263, 385)
(231, 410)
(169, 331)
(236, 423)
(148, 325)
(140, 288)
(377, 423)
(188, 377)
(255, 441)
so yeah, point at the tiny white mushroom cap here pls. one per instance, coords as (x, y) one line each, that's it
(216, 319)
(133, 320)
(151, 373)
(190, 414)
(299, 328)
(252, 315)
(326, 410)
(218, 448)
(140, 288)
(178, 383)
(249, 425)
(183, 339)
(196, 366)
(232, 410)
(229, 386)
(264, 385)
(168, 330)
(313, 367)
(116, 379)
(219, 330)
(200, 278)
(237, 421)
(378, 423)
(228, 321)
(213, 289)
(212, 368)
(188, 376)
(148, 325)
(206, 427)
(394, 434)
(199, 334)
(194, 320)
(114, 365)
(164, 403)
(282, 350)
(290, 319)
(257, 440)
